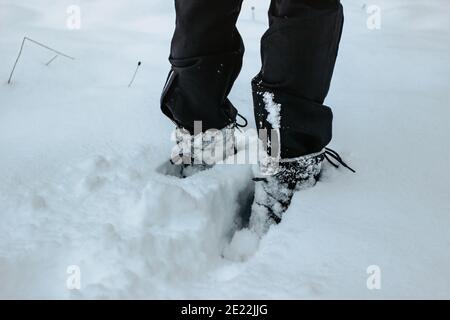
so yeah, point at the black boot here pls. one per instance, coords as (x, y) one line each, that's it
(273, 194)
(195, 153)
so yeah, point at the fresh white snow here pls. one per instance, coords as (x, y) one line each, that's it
(80, 152)
(273, 109)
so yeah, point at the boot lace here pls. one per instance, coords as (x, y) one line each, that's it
(330, 153)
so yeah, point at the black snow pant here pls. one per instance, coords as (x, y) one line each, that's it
(298, 56)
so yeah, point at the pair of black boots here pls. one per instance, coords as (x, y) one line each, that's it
(298, 52)
(278, 181)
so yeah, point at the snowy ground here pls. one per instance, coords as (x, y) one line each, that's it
(79, 153)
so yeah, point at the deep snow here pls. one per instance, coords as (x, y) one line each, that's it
(80, 152)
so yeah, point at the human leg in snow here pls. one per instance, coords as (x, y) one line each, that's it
(298, 56)
(206, 58)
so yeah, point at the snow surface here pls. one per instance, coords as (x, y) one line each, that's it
(79, 153)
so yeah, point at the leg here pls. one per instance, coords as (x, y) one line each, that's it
(298, 55)
(206, 57)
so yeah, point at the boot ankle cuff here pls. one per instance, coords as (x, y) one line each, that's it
(303, 158)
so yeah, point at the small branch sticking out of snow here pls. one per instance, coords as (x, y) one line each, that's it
(134, 75)
(51, 60)
(59, 53)
(17, 60)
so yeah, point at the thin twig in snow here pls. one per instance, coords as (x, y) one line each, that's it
(51, 60)
(17, 60)
(51, 49)
(134, 75)
(59, 53)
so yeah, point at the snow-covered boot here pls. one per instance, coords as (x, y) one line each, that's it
(194, 153)
(273, 194)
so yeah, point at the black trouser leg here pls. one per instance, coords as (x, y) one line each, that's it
(206, 57)
(298, 56)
